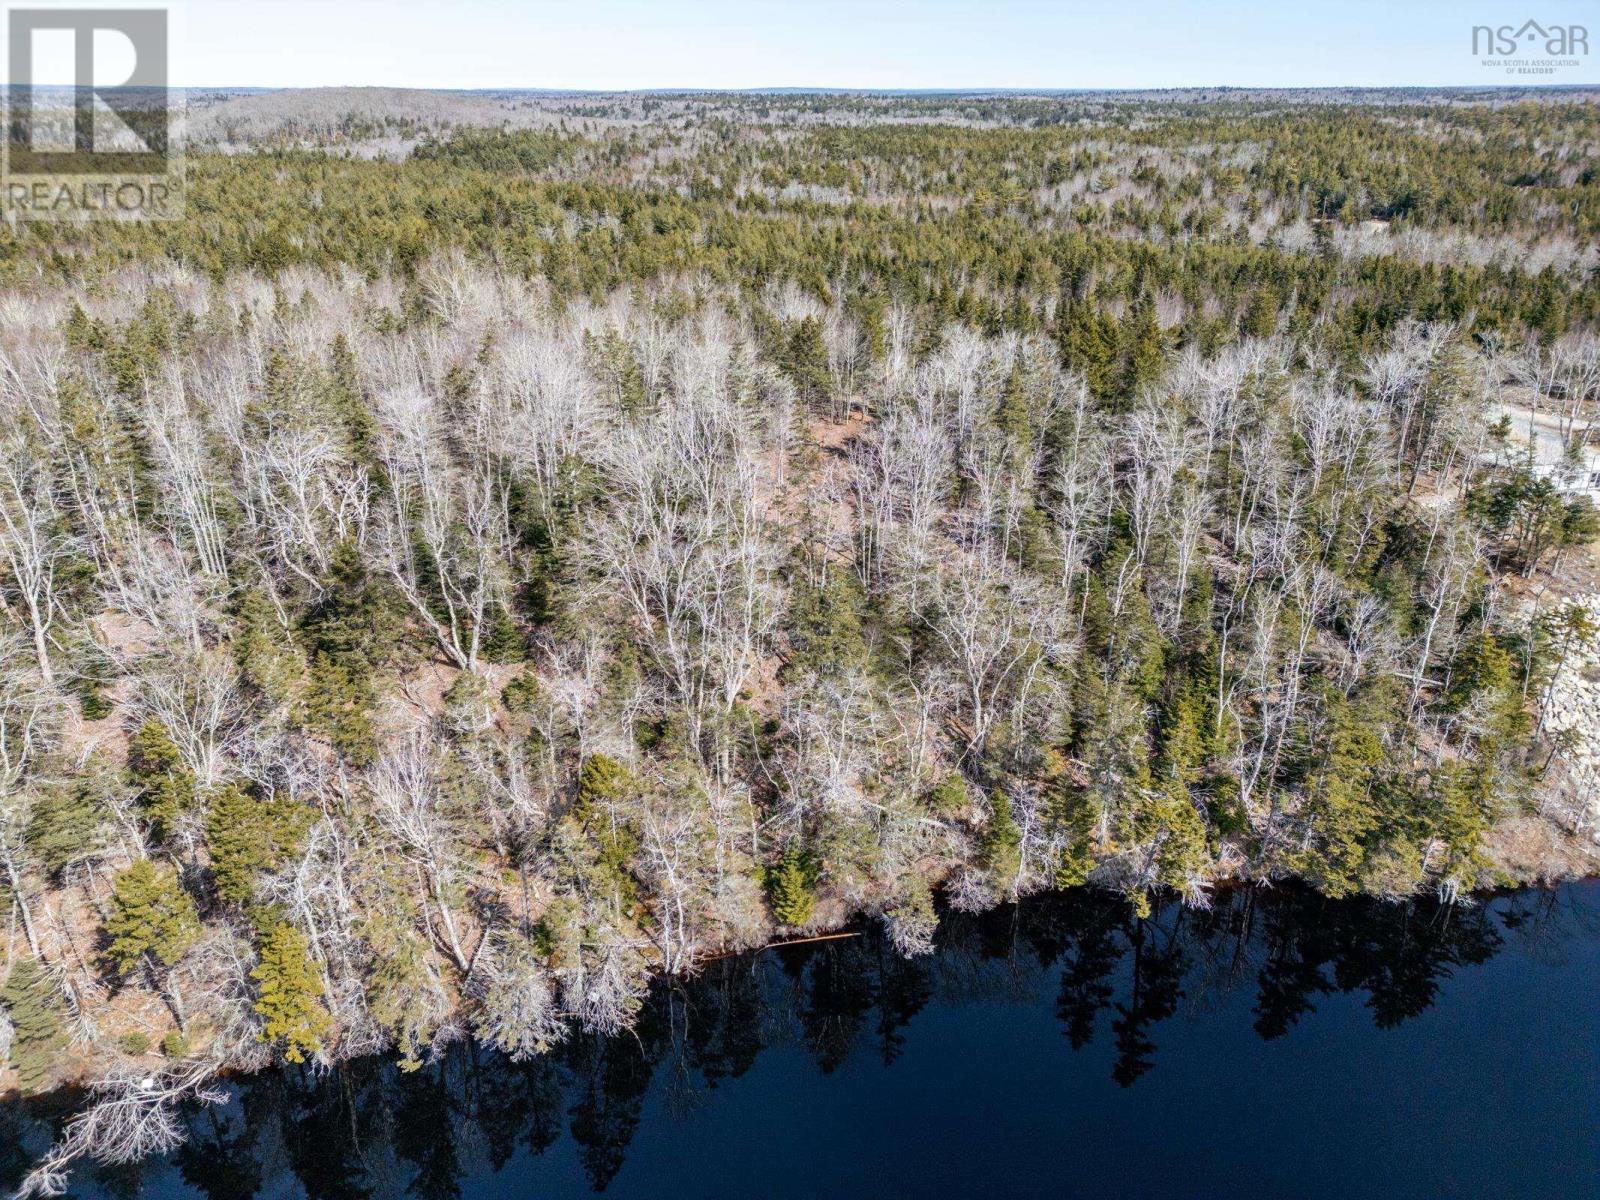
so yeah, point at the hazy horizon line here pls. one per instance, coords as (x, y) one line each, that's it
(842, 90)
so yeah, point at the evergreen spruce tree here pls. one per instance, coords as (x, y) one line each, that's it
(1001, 842)
(1485, 673)
(1013, 415)
(1071, 811)
(790, 890)
(248, 834)
(152, 921)
(1261, 314)
(1088, 344)
(400, 988)
(356, 614)
(166, 786)
(604, 783)
(1142, 349)
(805, 361)
(1339, 806)
(1464, 801)
(339, 703)
(266, 656)
(618, 368)
(602, 779)
(64, 825)
(1182, 741)
(948, 797)
(289, 994)
(33, 1003)
(348, 403)
(1170, 818)
(826, 624)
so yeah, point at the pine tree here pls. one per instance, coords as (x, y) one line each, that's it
(805, 362)
(400, 991)
(64, 825)
(1339, 807)
(38, 1018)
(152, 919)
(1142, 349)
(348, 403)
(289, 994)
(1001, 842)
(339, 703)
(1261, 314)
(267, 658)
(355, 615)
(1088, 343)
(166, 785)
(248, 834)
(603, 782)
(790, 890)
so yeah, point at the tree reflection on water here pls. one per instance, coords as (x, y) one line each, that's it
(369, 1129)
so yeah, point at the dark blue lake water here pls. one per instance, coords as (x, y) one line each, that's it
(1280, 1045)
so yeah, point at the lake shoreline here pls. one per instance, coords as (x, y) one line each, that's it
(1067, 991)
(81, 1087)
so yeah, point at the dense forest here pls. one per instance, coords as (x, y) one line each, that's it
(464, 570)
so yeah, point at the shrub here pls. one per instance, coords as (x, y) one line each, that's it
(948, 797)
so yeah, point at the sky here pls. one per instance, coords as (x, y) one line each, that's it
(622, 44)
